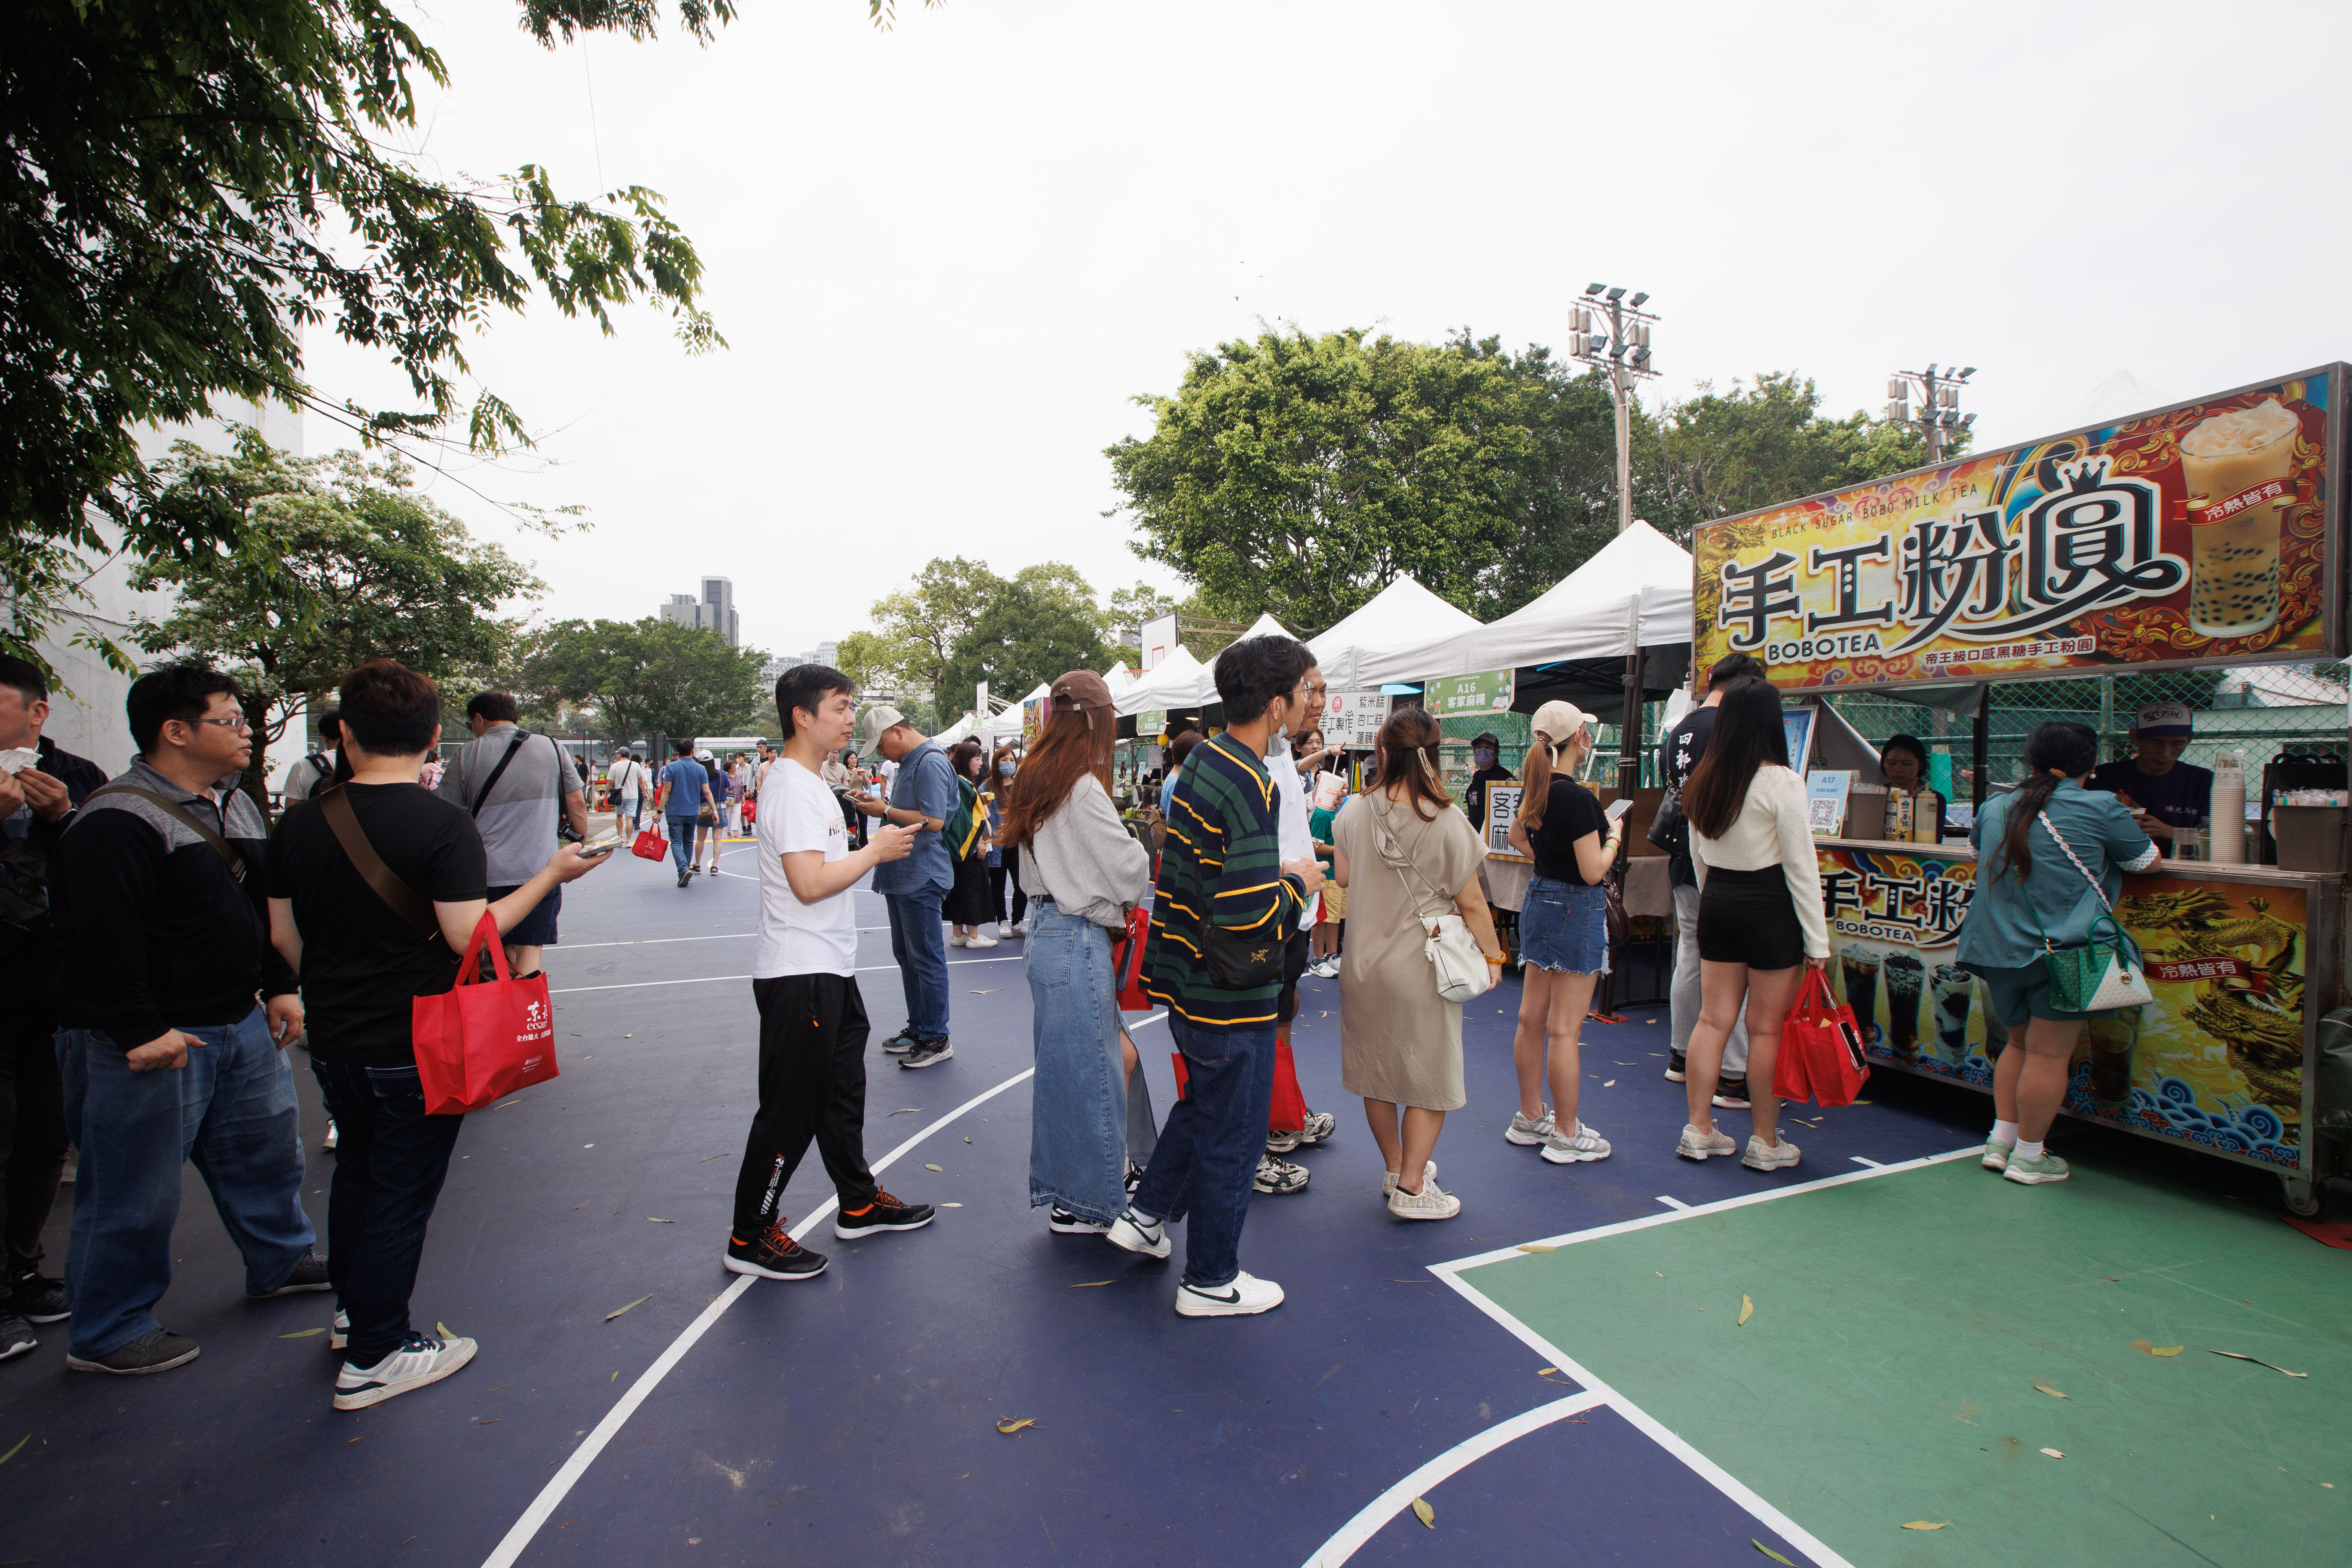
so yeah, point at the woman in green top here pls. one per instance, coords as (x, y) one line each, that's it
(2032, 895)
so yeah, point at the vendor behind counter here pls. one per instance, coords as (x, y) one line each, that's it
(2167, 795)
(1903, 761)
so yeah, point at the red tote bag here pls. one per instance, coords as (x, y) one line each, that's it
(650, 844)
(482, 1038)
(1820, 1058)
(1126, 959)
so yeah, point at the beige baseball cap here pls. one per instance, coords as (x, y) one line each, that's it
(878, 719)
(1560, 720)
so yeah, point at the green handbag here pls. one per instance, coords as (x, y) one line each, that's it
(2099, 975)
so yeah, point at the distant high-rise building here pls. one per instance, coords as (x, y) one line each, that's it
(714, 612)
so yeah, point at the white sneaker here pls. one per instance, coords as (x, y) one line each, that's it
(976, 939)
(1697, 1145)
(1529, 1134)
(1244, 1295)
(1389, 1179)
(1018, 928)
(420, 1360)
(955, 938)
(339, 1332)
(1763, 1156)
(327, 1143)
(1432, 1201)
(1580, 1143)
(1129, 1232)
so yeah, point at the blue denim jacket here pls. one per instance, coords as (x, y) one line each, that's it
(2001, 930)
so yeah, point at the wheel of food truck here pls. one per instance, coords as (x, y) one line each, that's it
(2304, 1199)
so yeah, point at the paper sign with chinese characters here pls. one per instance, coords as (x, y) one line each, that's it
(2194, 535)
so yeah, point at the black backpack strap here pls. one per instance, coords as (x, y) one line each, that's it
(230, 856)
(482, 796)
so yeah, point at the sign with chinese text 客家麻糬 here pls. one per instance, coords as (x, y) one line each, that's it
(2193, 535)
(1454, 696)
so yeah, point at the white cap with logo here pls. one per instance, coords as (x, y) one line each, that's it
(2163, 719)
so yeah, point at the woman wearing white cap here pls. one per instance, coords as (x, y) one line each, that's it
(1760, 913)
(1563, 932)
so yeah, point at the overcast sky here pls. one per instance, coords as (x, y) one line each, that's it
(948, 256)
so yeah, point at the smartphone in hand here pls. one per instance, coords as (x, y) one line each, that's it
(1618, 808)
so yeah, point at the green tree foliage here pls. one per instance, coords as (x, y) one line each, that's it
(176, 177)
(916, 629)
(338, 560)
(650, 678)
(1127, 613)
(1042, 624)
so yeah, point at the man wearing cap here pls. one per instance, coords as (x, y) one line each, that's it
(922, 795)
(2167, 795)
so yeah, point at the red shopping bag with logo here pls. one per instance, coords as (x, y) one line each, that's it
(1821, 1057)
(650, 844)
(482, 1038)
(1127, 960)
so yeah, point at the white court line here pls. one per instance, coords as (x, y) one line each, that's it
(658, 941)
(1672, 1203)
(1860, 1161)
(1377, 1513)
(713, 979)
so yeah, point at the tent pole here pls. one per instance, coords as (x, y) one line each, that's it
(1629, 751)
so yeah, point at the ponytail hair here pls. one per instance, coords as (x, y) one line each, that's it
(2058, 749)
(1535, 773)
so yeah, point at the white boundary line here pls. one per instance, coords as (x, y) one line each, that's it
(1376, 1514)
(511, 1548)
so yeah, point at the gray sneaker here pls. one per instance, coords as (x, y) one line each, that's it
(1697, 1145)
(158, 1352)
(1569, 1147)
(1996, 1154)
(1763, 1156)
(1389, 1179)
(1529, 1134)
(2028, 1173)
(17, 1335)
(1432, 1201)
(1277, 1177)
(927, 1054)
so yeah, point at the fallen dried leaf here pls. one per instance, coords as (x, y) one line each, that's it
(302, 1333)
(2053, 1453)
(443, 1328)
(650, 1220)
(989, 992)
(1009, 1425)
(1924, 1524)
(1747, 1311)
(1610, 1084)
(491, 1422)
(632, 1306)
(2147, 1348)
(1535, 1247)
(967, 1139)
(903, 1111)
(1768, 1552)
(950, 1206)
(2050, 1391)
(931, 1167)
(1541, 1370)
(28, 1438)
(1090, 1284)
(2258, 1360)
(1423, 1512)
(708, 1158)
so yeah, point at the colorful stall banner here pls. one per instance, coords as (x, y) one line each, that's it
(1353, 719)
(2215, 1061)
(1150, 723)
(2197, 534)
(1032, 718)
(1488, 691)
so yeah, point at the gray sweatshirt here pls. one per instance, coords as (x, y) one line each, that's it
(1084, 860)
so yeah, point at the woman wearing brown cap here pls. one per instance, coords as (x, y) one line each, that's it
(1086, 874)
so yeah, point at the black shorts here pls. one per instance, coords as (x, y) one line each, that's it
(1747, 916)
(1294, 965)
(536, 928)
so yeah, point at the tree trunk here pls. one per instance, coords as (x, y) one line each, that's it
(256, 766)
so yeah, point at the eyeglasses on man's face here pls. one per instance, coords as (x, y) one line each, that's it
(240, 724)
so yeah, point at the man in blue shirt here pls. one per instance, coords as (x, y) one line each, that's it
(681, 790)
(923, 795)
(2169, 797)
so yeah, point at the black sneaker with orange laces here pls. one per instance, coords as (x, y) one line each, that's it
(884, 1213)
(772, 1255)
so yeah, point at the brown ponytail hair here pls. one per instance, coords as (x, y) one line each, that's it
(1535, 773)
(1408, 762)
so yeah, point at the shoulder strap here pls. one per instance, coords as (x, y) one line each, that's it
(402, 898)
(1399, 861)
(2069, 848)
(482, 796)
(230, 856)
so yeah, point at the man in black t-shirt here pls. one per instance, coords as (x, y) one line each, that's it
(362, 966)
(1678, 754)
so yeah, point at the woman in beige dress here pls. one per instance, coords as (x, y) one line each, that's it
(1406, 855)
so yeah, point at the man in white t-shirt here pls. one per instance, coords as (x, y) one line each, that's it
(813, 1029)
(626, 778)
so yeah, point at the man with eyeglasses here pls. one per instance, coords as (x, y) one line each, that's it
(1291, 1127)
(176, 1010)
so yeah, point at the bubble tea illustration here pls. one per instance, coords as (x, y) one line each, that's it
(2114, 1040)
(1956, 990)
(2233, 559)
(1905, 978)
(1858, 965)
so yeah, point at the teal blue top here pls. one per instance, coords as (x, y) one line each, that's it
(2001, 932)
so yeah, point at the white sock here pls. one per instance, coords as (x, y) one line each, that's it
(1139, 1217)
(2003, 1132)
(2026, 1150)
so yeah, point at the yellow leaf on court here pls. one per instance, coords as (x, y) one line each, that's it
(1009, 1425)
(1541, 1370)
(302, 1334)
(2050, 1391)
(2238, 1356)
(929, 1167)
(2053, 1453)
(2147, 1348)
(1768, 1552)
(618, 1310)
(950, 1206)
(1924, 1524)
(1747, 1311)
(1090, 1284)
(1535, 1247)
(1423, 1512)
(444, 1328)
(1610, 1084)
(650, 1220)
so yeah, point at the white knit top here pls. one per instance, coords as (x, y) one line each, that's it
(1771, 829)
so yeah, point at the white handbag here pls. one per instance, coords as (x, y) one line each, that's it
(1461, 969)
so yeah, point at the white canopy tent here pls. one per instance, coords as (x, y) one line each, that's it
(1176, 682)
(1635, 592)
(1359, 653)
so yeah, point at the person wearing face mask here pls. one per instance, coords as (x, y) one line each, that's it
(1487, 763)
(1005, 870)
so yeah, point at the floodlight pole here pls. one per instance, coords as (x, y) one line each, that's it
(1624, 352)
(1940, 423)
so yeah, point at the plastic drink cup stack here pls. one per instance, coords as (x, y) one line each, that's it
(2228, 844)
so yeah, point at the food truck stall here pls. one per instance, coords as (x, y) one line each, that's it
(2203, 534)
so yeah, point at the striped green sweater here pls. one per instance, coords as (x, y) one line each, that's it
(1220, 863)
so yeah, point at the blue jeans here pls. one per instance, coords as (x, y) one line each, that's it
(1078, 1144)
(919, 943)
(1206, 1163)
(681, 839)
(390, 1161)
(232, 1111)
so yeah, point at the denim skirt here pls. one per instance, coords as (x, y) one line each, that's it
(1078, 1101)
(1564, 927)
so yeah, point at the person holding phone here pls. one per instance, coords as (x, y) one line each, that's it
(1563, 932)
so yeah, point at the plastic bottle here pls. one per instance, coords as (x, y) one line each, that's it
(2228, 810)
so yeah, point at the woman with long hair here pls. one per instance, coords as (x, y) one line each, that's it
(1089, 874)
(1563, 932)
(1406, 855)
(967, 907)
(1759, 914)
(2050, 861)
(1003, 767)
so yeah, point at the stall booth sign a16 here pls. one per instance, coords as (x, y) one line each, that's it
(1454, 696)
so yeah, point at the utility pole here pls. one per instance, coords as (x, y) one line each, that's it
(1939, 422)
(1624, 350)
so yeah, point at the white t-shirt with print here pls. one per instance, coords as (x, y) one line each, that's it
(797, 812)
